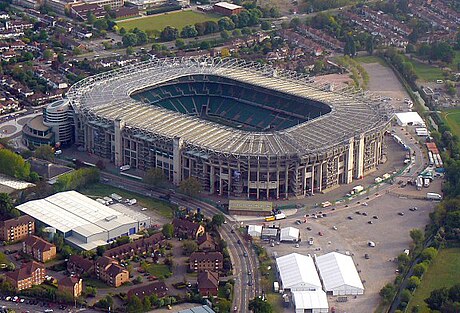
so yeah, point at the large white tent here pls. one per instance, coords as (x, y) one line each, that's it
(255, 230)
(409, 118)
(289, 234)
(298, 273)
(339, 275)
(310, 301)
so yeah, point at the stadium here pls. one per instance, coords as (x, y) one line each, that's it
(243, 129)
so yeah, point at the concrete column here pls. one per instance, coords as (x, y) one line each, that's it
(320, 178)
(286, 185)
(249, 174)
(313, 179)
(177, 162)
(348, 168)
(278, 181)
(360, 156)
(304, 180)
(258, 179)
(119, 125)
(211, 179)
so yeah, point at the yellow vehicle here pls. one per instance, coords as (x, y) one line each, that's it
(269, 218)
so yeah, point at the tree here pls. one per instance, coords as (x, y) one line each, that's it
(48, 54)
(44, 152)
(100, 250)
(406, 295)
(257, 305)
(155, 176)
(91, 18)
(129, 39)
(146, 304)
(420, 269)
(295, 22)
(265, 25)
(218, 219)
(226, 23)
(370, 43)
(350, 47)
(169, 33)
(454, 293)
(417, 236)
(225, 35)
(189, 247)
(403, 259)
(66, 251)
(101, 24)
(6, 204)
(90, 291)
(437, 298)
(225, 53)
(12, 164)
(190, 186)
(168, 230)
(224, 305)
(387, 292)
(189, 31)
(429, 254)
(413, 282)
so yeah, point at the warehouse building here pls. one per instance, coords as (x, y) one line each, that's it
(409, 118)
(85, 223)
(339, 275)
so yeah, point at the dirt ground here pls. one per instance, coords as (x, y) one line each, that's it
(352, 237)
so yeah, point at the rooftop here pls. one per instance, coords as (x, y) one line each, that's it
(229, 6)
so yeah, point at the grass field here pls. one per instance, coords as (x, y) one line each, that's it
(101, 190)
(175, 19)
(452, 118)
(370, 59)
(426, 72)
(158, 270)
(455, 61)
(442, 273)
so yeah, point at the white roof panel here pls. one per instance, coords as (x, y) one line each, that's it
(410, 117)
(337, 270)
(310, 300)
(229, 6)
(289, 233)
(255, 230)
(297, 270)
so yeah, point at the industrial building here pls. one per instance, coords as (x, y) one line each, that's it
(242, 129)
(85, 223)
(339, 275)
(227, 9)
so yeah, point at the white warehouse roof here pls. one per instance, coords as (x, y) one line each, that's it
(226, 5)
(339, 274)
(289, 234)
(255, 230)
(298, 272)
(409, 118)
(316, 301)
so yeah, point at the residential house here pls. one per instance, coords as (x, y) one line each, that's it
(187, 229)
(206, 243)
(208, 283)
(79, 265)
(28, 275)
(137, 247)
(40, 249)
(206, 261)
(17, 228)
(157, 288)
(109, 271)
(72, 285)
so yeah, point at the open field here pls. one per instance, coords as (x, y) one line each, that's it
(442, 273)
(455, 61)
(101, 190)
(452, 117)
(175, 19)
(426, 72)
(370, 59)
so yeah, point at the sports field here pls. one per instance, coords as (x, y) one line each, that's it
(442, 273)
(173, 19)
(452, 118)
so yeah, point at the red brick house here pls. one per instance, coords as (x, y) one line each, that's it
(206, 261)
(206, 243)
(208, 283)
(187, 229)
(158, 288)
(79, 265)
(28, 275)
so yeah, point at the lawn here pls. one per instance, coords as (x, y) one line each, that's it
(452, 118)
(101, 190)
(158, 270)
(455, 61)
(426, 72)
(175, 19)
(370, 59)
(95, 283)
(442, 273)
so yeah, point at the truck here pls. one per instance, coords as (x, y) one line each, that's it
(124, 168)
(357, 189)
(419, 183)
(433, 196)
(280, 216)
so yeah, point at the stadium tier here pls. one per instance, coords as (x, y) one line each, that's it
(243, 129)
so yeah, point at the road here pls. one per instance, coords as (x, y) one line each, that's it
(243, 291)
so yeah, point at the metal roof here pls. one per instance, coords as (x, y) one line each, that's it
(106, 97)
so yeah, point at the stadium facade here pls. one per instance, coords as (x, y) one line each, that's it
(243, 129)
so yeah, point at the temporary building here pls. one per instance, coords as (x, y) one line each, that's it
(310, 301)
(298, 273)
(409, 118)
(255, 230)
(339, 275)
(289, 234)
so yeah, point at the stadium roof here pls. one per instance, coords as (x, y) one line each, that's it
(298, 272)
(310, 300)
(338, 270)
(71, 210)
(105, 97)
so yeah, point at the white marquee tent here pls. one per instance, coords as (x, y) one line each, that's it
(255, 230)
(409, 118)
(289, 234)
(339, 275)
(310, 301)
(298, 273)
